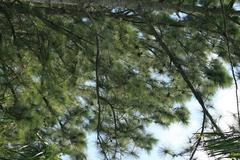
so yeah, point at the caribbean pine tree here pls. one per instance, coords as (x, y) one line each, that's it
(69, 68)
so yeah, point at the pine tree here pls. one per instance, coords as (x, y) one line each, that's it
(111, 68)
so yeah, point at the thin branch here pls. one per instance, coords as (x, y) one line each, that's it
(230, 60)
(97, 63)
(97, 85)
(200, 137)
(59, 28)
(49, 107)
(115, 125)
(26, 9)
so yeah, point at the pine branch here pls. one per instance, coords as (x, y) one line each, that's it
(97, 63)
(197, 95)
(28, 10)
(59, 28)
(115, 125)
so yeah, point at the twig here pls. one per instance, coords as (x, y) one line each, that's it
(115, 125)
(97, 62)
(200, 136)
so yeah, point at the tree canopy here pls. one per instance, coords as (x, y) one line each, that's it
(68, 68)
